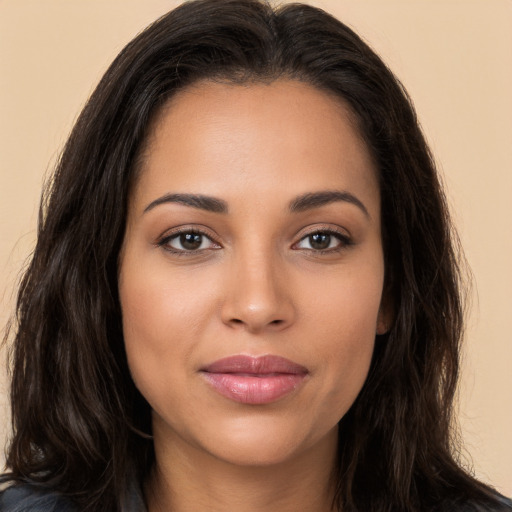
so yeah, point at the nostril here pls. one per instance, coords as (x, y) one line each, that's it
(237, 321)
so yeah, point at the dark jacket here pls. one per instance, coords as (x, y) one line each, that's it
(29, 498)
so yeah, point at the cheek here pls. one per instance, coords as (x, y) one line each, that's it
(346, 316)
(163, 317)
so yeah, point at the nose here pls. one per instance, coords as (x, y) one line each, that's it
(258, 295)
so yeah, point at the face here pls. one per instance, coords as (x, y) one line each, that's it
(252, 271)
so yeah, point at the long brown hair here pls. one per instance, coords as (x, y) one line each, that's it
(80, 426)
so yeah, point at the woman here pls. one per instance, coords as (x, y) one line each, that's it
(245, 292)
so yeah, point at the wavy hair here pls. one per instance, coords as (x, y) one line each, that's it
(80, 426)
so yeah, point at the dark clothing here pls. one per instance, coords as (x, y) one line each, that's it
(29, 498)
(25, 498)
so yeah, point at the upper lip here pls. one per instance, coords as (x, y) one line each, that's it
(259, 365)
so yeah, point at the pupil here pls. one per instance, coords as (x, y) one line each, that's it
(320, 240)
(190, 241)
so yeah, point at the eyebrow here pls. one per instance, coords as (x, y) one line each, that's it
(210, 204)
(318, 199)
(301, 203)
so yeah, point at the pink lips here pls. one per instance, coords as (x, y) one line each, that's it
(254, 380)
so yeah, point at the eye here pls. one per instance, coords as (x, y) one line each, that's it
(324, 240)
(187, 242)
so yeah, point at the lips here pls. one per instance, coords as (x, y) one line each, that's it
(254, 380)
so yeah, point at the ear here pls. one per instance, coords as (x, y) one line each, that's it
(385, 317)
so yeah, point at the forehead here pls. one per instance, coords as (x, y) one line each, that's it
(223, 138)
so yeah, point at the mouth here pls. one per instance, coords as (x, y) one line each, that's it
(254, 380)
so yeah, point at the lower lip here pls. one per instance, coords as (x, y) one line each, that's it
(254, 389)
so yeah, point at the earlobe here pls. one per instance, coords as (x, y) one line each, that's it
(382, 326)
(384, 318)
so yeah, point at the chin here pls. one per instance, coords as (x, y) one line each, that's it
(265, 442)
(249, 453)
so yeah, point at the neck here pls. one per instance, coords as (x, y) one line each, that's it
(186, 479)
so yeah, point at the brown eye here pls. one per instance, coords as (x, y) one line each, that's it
(320, 241)
(188, 241)
(324, 241)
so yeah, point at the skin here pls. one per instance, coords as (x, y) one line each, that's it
(257, 285)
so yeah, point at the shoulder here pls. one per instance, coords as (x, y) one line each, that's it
(32, 498)
(500, 504)
(505, 504)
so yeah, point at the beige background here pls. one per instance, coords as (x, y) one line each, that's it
(454, 57)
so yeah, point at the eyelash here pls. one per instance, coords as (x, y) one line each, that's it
(166, 239)
(343, 239)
